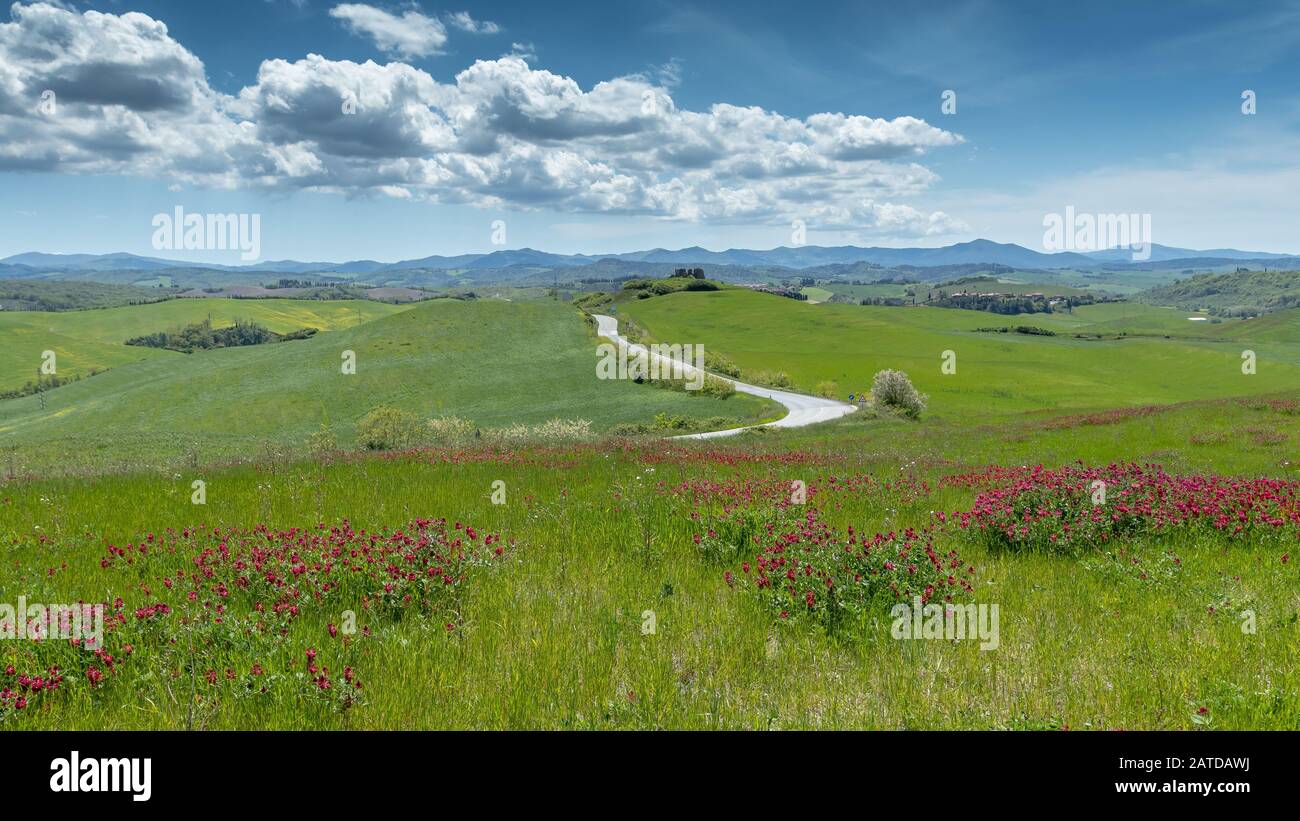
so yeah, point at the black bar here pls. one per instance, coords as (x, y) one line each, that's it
(953, 769)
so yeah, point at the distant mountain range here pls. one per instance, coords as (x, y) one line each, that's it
(733, 264)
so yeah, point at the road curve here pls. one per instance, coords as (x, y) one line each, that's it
(801, 409)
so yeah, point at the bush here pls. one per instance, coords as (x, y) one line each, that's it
(771, 379)
(564, 430)
(892, 389)
(674, 425)
(701, 285)
(513, 435)
(323, 440)
(202, 336)
(450, 429)
(808, 570)
(665, 422)
(715, 387)
(828, 389)
(388, 428)
(718, 363)
(551, 431)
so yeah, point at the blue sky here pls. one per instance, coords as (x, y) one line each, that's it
(762, 113)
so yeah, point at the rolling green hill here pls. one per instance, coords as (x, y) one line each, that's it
(825, 291)
(996, 373)
(493, 362)
(71, 295)
(1004, 286)
(1242, 293)
(1131, 318)
(95, 339)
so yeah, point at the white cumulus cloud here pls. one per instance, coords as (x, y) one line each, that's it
(465, 22)
(410, 34)
(502, 134)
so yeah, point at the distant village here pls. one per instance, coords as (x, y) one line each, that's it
(1002, 302)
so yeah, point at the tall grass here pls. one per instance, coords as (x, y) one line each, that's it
(555, 636)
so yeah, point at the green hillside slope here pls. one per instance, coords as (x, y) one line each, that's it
(492, 362)
(1237, 294)
(82, 340)
(995, 372)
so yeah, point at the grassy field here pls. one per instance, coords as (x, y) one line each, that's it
(995, 373)
(599, 547)
(1006, 286)
(82, 340)
(492, 362)
(613, 584)
(823, 293)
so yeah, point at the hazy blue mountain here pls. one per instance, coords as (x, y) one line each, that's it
(528, 256)
(1205, 262)
(81, 262)
(976, 252)
(1165, 253)
(434, 263)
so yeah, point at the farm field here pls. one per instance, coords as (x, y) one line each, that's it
(255, 578)
(491, 362)
(610, 584)
(823, 293)
(82, 340)
(996, 373)
(1006, 285)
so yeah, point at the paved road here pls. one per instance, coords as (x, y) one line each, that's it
(802, 410)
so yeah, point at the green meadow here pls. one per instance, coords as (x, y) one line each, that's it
(602, 610)
(823, 293)
(1145, 356)
(553, 635)
(491, 362)
(95, 339)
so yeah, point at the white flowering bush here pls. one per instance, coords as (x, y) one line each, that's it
(892, 389)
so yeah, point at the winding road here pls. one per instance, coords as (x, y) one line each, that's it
(801, 409)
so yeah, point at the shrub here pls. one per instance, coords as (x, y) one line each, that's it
(828, 389)
(893, 389)
(513, 435)
(389, 428)
(322, 440)
(450, 429)
(711, 386)
(665, 422)
(805, 569)
(553, 430)
(719, 388)
(673, 424)
(201, 336)
(773, 379)
(718, 363)
(701, 285)
(563, 430)
(1078, 507)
